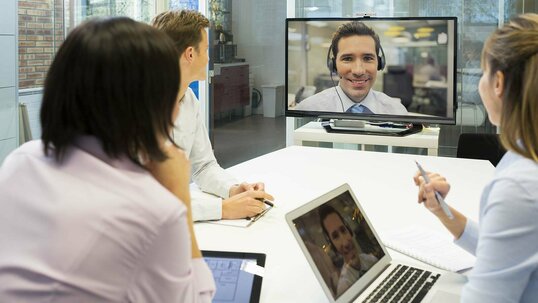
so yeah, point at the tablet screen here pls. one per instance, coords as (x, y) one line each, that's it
(233, 283)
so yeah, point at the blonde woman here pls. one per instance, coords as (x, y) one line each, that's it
(505, 241)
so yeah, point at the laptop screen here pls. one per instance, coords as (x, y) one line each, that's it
(339, 241)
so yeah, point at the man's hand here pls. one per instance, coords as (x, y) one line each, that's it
(244, 204)
(243, 187)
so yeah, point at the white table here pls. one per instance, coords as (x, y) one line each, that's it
(313, 131)
(381, 181)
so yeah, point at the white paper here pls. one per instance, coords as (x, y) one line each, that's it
(432, 247)
(252, 267)
(236, 223)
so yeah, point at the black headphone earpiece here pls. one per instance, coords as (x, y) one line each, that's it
(331, 59)
(380, 59)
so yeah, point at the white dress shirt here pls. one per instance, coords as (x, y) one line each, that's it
(329, 100)
(505, 242)
(191, 135)
(92, 229)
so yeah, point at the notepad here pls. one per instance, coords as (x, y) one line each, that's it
(432, 247)
(240, 222)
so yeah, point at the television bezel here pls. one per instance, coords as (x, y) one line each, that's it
(416, 119)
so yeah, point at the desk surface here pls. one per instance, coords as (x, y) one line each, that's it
(381, 181)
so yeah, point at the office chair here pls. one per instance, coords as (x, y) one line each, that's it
(480, 146)
(398, 83)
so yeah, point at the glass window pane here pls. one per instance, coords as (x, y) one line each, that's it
(476, 21)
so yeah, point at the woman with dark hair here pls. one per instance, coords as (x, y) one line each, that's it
(98, 210)
(506, 240)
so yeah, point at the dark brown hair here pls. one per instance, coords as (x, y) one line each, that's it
(354, 28)
(117, 80)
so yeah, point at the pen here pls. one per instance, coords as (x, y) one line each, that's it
(267, 202)
(256, 217)
(438, 196)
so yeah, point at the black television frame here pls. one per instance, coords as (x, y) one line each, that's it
(416, 120)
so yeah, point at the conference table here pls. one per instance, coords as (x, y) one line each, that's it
(382, 183)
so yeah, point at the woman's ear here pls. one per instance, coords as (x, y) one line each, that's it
(499, 84)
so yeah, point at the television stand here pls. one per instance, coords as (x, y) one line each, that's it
(314, 132)
(370, 128)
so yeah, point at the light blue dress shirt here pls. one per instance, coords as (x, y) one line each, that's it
(505, 242)
(330, 101)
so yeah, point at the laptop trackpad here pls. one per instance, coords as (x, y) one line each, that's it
(444, 297)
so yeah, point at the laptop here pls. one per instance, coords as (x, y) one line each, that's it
(350, 261)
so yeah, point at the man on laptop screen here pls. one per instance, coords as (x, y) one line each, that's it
(350, 261)
(338, 227)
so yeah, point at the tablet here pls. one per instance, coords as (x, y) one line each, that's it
(234, 284)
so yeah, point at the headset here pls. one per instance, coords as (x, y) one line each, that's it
(331, 59)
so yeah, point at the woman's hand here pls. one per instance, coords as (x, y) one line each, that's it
(426, 192)
(426, 195)
(173, 173)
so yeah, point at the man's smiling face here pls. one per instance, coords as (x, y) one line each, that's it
(356, 64)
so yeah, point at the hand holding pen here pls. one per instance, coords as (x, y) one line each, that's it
(440, 202)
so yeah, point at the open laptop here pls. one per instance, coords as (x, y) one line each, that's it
(350, 261)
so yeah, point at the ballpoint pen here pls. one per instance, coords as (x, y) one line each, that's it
(258, 216)
(438, 196)
(268, 203)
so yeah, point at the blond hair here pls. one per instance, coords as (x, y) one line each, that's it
(183, 26)
(513, 50)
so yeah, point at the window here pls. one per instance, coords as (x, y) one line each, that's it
(44, 23)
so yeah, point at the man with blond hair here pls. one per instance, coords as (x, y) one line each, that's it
(188, 31)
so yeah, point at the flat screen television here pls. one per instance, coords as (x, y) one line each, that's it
(389, 71)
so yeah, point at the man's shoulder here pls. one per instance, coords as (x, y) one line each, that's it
(190, 97)
(391, 105)
(318, 101)
(381, 96)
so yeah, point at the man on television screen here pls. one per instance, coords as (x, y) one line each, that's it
(355, 55)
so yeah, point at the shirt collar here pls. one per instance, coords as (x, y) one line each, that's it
(368, 101)
(94, 147)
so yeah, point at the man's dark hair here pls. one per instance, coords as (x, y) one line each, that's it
(354, 28)
(117, 80)
(324, 212)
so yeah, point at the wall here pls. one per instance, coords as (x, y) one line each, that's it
(41, 30)
(259, 32)
(8, 78)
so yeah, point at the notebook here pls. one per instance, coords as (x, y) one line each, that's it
(432, 247)
(236, 275)
(350, 261)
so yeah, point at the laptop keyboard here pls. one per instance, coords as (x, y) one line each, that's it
(403, 284)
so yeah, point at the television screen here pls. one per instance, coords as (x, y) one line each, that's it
(375, 69)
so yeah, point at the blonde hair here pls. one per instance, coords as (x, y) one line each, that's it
(183, 26)
(513, 50)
